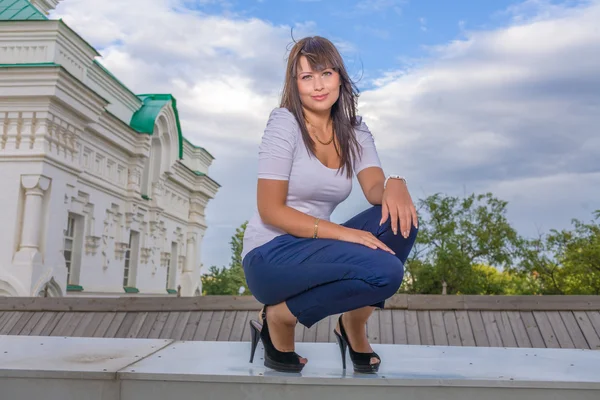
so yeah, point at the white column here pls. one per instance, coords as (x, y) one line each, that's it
(190, 253)
(35, 186)
(31, 229)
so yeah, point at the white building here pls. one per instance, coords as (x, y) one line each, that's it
(100, 194)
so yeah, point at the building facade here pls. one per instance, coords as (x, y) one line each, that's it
(100, 193)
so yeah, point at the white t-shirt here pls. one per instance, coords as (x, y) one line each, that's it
(313, 188)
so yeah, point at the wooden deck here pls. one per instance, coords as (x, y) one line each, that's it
(483, 321)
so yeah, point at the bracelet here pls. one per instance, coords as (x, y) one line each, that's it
(393, 177)
(316, 228)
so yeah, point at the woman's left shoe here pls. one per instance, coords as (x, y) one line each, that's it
(360, 361)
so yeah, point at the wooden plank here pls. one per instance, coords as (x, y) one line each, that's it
(505, 328)
(5, 317)
(531, 303)
(452, 332)
(310, 335)
(191, 325)
(594, 317)
(560, 330)
(180, 325)
(413, 334)
(115, 324)
(203, 325)
(226, 326)
(373, 331)
(249, 303)
(237, 328)
(518, 329)
(62, 324)
(298, 332)
(386, 327)
(322, 328)
(425, 327)
(10, 322)
(147, 325)
(333, 322)
(74, 322)
(479, 332)
(94, 324)
(158, 325)
(107, 319)
(48, 318)
(436, 302)
(399, 327)
(215, 325)
(252, 316)
(137, 324)
(491, 328)
(439, 329)
(546, 329)
(574, 331)
(18, 327)
(130, 303)
(125, 327)
(533, 330)
(397, 302)
(464, 328)
(33, 321)
(169, 325)
(584, 323)
(83, 324)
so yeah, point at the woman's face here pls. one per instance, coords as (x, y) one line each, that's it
(319, 90)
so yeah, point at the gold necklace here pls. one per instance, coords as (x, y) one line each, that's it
(319, 140)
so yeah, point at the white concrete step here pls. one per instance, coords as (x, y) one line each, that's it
(146, 369)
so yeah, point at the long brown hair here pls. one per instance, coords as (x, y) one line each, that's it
(321, 54)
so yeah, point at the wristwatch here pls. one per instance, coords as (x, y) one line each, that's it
(393, 177)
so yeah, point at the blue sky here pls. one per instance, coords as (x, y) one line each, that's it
(380, 35)
(461, 96)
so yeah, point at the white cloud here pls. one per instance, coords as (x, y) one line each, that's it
(514, 110)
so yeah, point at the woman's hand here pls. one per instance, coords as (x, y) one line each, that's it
(398, 205)
(363, 237)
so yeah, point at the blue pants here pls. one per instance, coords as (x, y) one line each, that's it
(322, 277)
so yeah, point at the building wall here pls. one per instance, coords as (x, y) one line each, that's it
(66, 149)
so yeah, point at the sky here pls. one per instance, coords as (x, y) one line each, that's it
(461, 96)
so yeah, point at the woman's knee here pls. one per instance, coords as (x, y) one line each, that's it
(389, 273)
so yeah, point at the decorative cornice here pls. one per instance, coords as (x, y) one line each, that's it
(45, 6)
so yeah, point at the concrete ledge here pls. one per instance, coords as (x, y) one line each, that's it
(249, 303)
(136, 369)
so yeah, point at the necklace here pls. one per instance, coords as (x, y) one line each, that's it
(319, 140)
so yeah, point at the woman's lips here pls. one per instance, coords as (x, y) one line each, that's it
(320, 98)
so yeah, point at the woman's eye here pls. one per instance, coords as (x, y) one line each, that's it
(305, 77)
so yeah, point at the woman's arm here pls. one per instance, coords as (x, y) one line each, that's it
(371, 181)
(273, 211)
(271, 196)
(395, 200)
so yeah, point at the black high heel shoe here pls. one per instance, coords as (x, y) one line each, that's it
(288, 361)
(360, 361)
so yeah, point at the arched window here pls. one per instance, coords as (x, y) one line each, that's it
(161, 150)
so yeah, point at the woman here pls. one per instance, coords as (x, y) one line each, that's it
(298, 263)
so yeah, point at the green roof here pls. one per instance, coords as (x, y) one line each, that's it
(143, 120)
(19, 10)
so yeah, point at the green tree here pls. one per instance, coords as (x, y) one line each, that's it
(567, 261)
(455, 235)
(228, 280)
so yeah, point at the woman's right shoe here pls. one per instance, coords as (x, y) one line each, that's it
(288, 361)
(360, 361)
